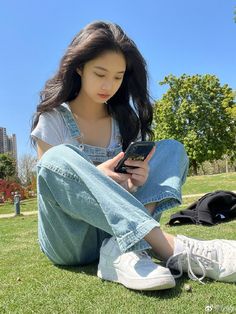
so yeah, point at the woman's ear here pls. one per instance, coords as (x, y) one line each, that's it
(79, 71)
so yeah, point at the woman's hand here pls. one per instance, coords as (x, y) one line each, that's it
(139, 175)
(108, 166)
(134, 178)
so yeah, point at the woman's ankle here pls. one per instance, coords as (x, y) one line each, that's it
(162, 243)
(151, 207)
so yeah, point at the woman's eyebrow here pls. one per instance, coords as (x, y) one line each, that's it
(101, 68)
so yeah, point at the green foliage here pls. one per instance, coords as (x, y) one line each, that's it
(200, 113)
(7, 166)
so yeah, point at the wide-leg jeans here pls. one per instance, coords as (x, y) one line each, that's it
(79, 206)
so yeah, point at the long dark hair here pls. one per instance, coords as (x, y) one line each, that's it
(89, 43)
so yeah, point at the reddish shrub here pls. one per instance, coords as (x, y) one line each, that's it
(7, 188)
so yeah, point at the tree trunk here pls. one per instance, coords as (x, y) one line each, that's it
(226, 165)
(195, 167)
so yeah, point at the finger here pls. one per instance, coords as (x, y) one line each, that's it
(120, 177)
(118, 157)
(149, 156)
(137, 177)
(135, 163)
(142, 173)
(138, 180)
(139, 171)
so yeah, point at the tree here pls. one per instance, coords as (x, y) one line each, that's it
(7, 166)
(197, 111)
(26, 169)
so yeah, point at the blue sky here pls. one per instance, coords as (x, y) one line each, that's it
(184, 36)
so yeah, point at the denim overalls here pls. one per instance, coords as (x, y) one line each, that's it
(79, 206)
(96, 154)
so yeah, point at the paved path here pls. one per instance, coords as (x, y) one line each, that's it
(21, 215)
(199, 195)
(29, 213)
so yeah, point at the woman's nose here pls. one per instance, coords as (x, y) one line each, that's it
(107, 86)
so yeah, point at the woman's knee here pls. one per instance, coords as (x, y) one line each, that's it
(171, 146)
(63, 156)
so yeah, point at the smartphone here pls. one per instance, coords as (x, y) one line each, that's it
(135, 151)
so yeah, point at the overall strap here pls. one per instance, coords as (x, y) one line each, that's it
(69, 121)
(116, 133)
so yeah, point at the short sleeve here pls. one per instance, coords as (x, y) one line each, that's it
(50, 128)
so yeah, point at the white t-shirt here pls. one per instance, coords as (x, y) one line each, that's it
(52, 129)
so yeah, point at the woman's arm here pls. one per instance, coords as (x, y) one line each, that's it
(42, 147)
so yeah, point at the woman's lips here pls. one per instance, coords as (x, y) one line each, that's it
(103, 96)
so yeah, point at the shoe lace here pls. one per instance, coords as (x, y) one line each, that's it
(190, 256)
(142, 255)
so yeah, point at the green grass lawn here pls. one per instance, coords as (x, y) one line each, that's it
(29, 283)
(210, 183)
(25, 205)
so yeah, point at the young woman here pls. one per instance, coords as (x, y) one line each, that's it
(94, 106)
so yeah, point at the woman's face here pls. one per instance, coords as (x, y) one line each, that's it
(102, 76)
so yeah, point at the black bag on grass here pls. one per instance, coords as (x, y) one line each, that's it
(210, 209)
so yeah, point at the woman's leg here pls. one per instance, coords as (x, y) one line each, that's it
(76, 202)
(215, 258)
(79, 206)
(168, 171)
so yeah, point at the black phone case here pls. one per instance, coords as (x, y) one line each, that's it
(137, 151)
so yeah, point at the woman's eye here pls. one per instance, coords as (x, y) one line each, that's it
(118, 78)
(100, 75)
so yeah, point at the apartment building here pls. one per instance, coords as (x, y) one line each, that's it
(8, 143)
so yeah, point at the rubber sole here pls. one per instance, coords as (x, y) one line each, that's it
(160, 283)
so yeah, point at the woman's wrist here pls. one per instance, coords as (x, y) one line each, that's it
(133, 189)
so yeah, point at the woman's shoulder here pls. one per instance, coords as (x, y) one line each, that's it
(53, 118)
(53, 115)
(51, 127)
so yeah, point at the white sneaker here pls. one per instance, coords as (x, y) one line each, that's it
(215, 259)
(134, 270)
